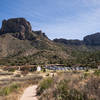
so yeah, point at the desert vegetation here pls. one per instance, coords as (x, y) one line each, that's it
(12, 83)
(21, 46)
(90, 59)
(71, 86)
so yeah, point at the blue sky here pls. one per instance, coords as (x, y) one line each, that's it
(70, 19)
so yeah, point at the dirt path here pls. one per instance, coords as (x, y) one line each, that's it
(29, 93)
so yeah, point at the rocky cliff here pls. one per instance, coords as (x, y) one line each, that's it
(16, 25)
(18, 40)
(93, 39)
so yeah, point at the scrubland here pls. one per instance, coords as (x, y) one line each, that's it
(56, 85)
(12, 84)
(73, 85)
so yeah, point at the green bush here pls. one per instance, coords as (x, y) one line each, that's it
(97, 72)
(63, 92)
(7, 90)
(12, 70)
(86, 74)
(45, 84)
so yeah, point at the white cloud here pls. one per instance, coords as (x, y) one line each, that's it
(86, 23)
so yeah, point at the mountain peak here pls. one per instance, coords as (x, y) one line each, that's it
(16, 25)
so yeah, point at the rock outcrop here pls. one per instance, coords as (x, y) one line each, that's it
(16, 25)
(18, 39)
(40, 33)
(93, 39)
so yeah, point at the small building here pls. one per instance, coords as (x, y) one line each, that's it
(39, 68)
(99, 67)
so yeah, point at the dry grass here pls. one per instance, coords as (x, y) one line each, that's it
(72, 86)
(11, 88)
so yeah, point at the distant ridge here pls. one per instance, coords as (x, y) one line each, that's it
(92, 40)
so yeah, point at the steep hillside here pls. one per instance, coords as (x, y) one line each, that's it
(19, 44)
(11, 46)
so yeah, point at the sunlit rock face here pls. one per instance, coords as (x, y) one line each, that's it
(16, 25)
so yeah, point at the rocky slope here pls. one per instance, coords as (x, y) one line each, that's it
(18, 40)
(20, 45)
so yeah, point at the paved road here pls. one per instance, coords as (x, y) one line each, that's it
(29, 93)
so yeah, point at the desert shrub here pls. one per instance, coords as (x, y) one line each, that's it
(11, 70)
(25, 72)
(45, 84)
(92, 88)
(69, 86)
(97, 72)
(63, 92)
(17, 75)
(7, 90)
(43, 69)
(86, 74)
